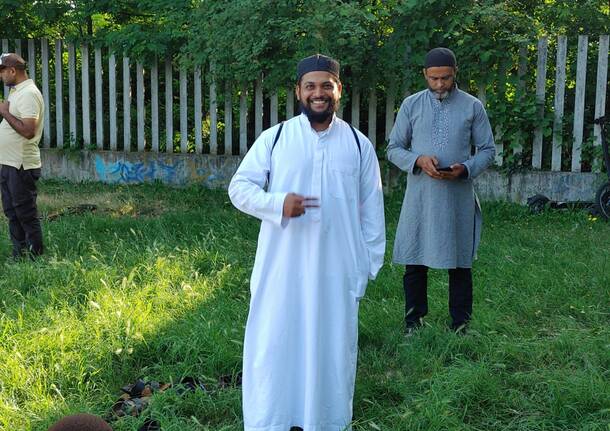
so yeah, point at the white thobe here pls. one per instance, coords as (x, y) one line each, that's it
(301, 340)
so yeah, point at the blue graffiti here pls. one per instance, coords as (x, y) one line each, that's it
(124, 171)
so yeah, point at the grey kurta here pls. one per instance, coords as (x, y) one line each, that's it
(440, 220)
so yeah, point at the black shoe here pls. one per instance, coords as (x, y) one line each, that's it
(412, 327)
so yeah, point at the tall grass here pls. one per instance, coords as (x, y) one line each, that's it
(154, 285)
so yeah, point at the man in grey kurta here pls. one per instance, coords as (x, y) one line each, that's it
(440, 220)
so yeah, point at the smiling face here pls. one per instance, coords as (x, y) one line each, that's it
(440, 80)
(318, 94)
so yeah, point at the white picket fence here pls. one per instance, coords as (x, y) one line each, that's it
(192, 108)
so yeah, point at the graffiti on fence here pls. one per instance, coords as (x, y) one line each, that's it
(126, 172)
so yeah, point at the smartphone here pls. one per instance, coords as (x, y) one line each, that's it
(446, 169)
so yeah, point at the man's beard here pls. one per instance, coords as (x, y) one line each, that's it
(319, 117)
(439, 96)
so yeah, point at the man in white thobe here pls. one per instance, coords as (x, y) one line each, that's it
(314, 182)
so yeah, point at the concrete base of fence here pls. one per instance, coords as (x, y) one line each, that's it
(216, 171)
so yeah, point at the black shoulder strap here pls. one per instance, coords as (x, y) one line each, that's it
(277, 136)
(355, 137)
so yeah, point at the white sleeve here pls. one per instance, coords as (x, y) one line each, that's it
(247, 187)
(371, 207)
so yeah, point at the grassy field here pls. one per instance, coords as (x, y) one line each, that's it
(154, 285)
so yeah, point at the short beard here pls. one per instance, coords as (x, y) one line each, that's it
(318, 117)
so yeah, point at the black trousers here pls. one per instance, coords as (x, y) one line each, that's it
(415, 282)
(18, 189)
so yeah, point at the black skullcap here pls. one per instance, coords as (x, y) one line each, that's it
(317, 62)
(440, 57)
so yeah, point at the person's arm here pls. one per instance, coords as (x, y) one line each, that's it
(483, 139)
(26, 127)
(372, 220)
(246, 189)
(399, 148)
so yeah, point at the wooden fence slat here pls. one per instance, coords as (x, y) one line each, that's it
(32, 59)
(169, 107)
(99, 100)
(228, 119)
(243, 119)
(154, 106)
(126, 105)
(197, 101)
(390, 106)
(498, 134)
(600, 92)
(579, 102)
(140, 108)
(372, 132)
(482, 93)
(44, 51)
(5, 49)
(85, 94)
(59, 99)
(184, 133)
(356, 108)
(72, 104)
(560, 85)
(213, 117)
(540, 94)
(258, 107)
(112, 124)
(273, 109)
(18, 47)
(289, 103)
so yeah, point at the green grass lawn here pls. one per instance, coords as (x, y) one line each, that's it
(154, 285)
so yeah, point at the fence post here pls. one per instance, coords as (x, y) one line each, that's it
(258, 107)
(540, 94)
(154, 106)
(59, 100)
(600, 93)
(579, 102)
(85, 94)
(390, 106)
(243, 119)
(213, 114)
(198, 109)
(184, 133)
(289, 103)
(140, 108)
(5, 49)
(273, 109)
(44, 48)
(32, 59)
(228, 119)
(126, 105)
(356, 107)
(372, 132)
(112, 101)
(72, 93)
(560, 85)
(169, 107)
(99, 100)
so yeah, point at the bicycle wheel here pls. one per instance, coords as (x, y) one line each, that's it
(602, 200)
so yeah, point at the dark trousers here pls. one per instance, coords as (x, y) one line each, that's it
(18, 189)
(415, 282)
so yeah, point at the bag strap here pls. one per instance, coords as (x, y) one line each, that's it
(356, 138)
(277, 137)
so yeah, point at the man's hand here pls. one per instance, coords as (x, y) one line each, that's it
(294, 205)
(457, 171)
(428, 164)
(4, 106)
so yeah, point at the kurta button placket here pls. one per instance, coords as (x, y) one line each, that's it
(316, 180)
